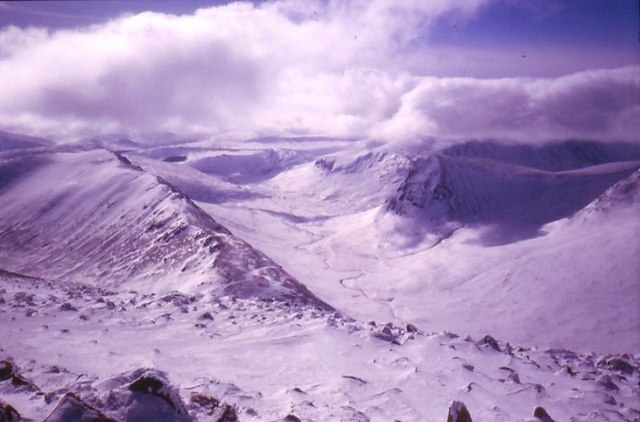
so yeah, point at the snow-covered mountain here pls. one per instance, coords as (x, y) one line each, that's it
(624, 195)
(318, 279)
(472, 191)
(94, 217)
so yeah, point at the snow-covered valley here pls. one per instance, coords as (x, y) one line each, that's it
(319, 279)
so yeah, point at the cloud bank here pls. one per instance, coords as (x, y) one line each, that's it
(601, 104)
(291, 67)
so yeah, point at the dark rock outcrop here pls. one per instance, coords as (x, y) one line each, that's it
(458, 412)
(8, 413)
(154, 398)
(8, 371)
(621, 365)
(542, 415)
(490, 341)
(212, 407)
(607, 382)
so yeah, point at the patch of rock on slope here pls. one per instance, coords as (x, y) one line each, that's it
(207, 367)
(93, 216)
(624, 195)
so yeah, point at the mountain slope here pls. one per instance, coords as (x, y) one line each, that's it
(503, 253)
(624, 195)
(92, 216)
(516, 199)
(132, 299)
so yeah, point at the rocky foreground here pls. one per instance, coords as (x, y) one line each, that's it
(73, 352)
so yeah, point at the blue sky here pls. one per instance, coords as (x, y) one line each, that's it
(602, 23)
(596, 23)
(547, 37)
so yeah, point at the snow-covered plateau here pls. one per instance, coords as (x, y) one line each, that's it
(314, 279)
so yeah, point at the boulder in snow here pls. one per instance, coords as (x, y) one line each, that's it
(458, 412)
(8, 413)
(541, 415)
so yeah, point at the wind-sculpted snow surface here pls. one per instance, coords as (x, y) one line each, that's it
(92, 216)
(130, 356)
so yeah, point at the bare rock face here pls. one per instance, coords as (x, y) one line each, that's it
(458, 412)
(153, 398)
(140, 395)
(8, 371)
(8, 413)
(213, 408)
(490, 341)
(620, 365)
(226, 413)
(541, 415)
(72, 408)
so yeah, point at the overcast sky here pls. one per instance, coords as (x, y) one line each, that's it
(390, 70)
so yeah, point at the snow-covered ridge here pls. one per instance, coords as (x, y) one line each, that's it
(621, 196)
(483, 184)
(94, 217)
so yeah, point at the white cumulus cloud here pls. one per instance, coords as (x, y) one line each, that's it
(340, 68)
